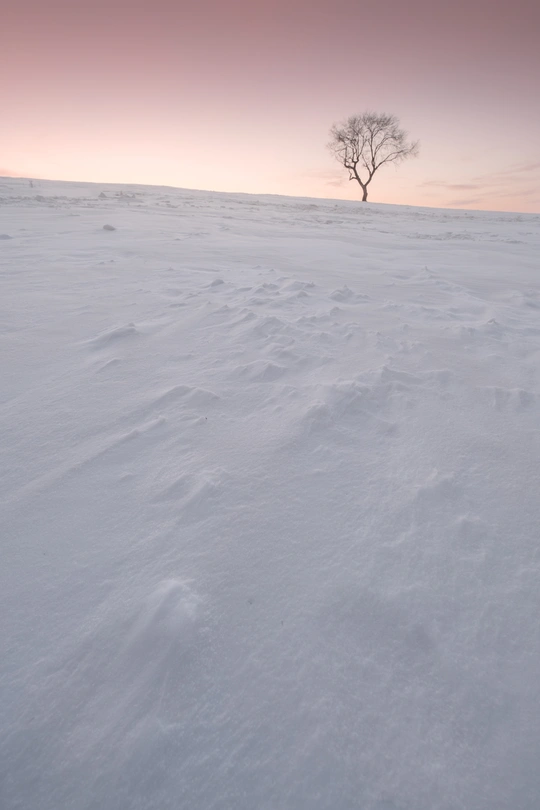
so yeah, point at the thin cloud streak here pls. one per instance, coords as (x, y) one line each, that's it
(464, 202)
(518, 169)
(518, 182)
(453, 186)
(9, 173)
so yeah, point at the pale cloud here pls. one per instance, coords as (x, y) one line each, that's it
(9, 173)
(464, 201)
(520, 168)
(520, 181)
(328, 177)
(452, 186)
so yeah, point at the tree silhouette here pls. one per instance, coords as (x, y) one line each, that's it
(363, 143)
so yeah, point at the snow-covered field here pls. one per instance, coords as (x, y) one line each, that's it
(270, 503)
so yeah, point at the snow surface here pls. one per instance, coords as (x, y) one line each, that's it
(270, 503)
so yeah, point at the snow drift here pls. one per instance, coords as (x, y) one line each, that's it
(270, 503)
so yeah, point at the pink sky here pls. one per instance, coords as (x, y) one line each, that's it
(239, 95)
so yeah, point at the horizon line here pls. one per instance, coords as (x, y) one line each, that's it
(265, 194)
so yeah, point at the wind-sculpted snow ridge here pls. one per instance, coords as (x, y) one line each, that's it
(269, 503)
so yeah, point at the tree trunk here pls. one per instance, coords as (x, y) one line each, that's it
(363, 186)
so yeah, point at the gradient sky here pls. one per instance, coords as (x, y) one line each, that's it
(239, 95)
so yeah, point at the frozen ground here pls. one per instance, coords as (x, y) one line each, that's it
(270, 503)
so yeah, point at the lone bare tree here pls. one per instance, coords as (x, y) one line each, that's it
(363, 143)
